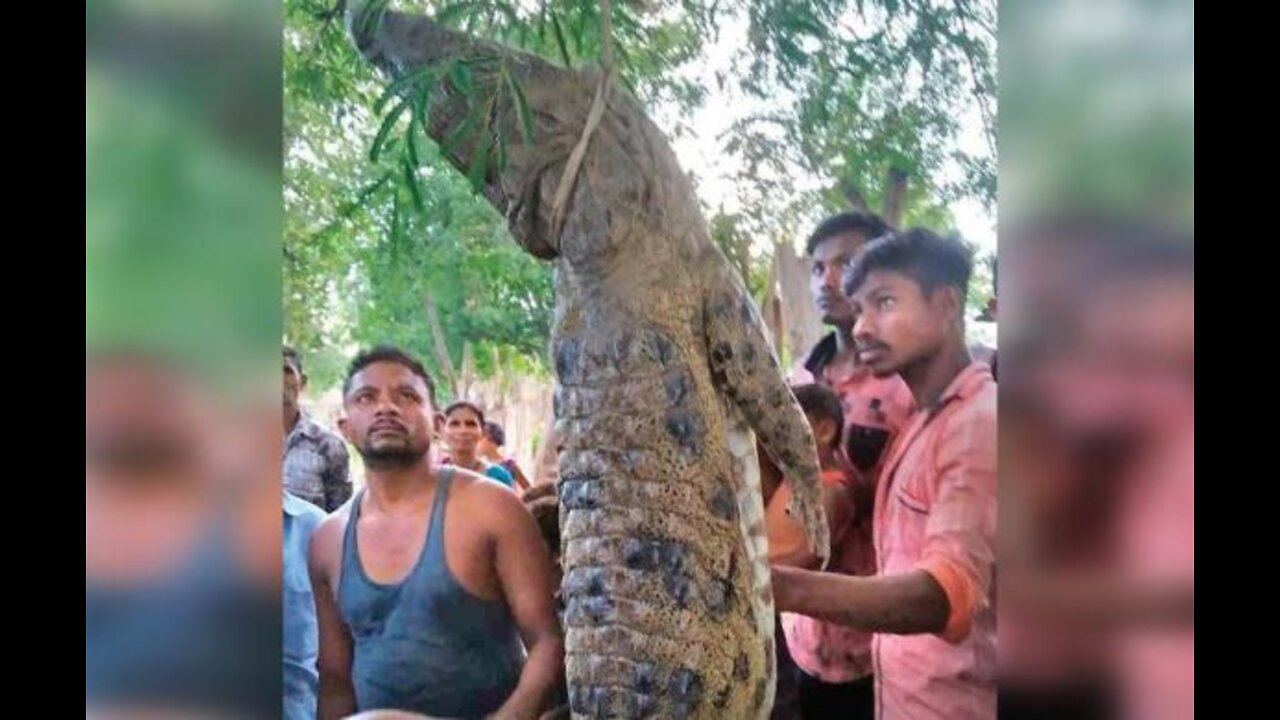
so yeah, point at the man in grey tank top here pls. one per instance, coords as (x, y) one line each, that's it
(433, 587)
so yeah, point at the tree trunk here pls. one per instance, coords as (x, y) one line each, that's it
(895, 200)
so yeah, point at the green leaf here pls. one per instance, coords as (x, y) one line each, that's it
(461, 76)
(459, 133)
(559, 32)
(479, 164)
(522, 110)
(370, 17)
(411, 181)
(387, 123)
(412, 141)
(401, 84)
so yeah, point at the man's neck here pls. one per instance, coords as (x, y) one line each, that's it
(402, 487)
(845, 361)
(930, 378)
(844, 339)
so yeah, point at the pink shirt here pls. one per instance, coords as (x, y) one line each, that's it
(935, 510)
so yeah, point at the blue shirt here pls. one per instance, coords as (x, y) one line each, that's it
(301, 631)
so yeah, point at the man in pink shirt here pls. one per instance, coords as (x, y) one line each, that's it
(835, 661)
(874, 407)
(934, 523)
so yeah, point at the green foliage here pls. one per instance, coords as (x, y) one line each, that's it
(377, 219)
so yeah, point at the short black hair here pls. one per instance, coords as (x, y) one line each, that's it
(459, 404)
(820, 403)
(868, 224)
(291, 354)
(495, 433)
(546, 513)
(391, 354)
(932, 261)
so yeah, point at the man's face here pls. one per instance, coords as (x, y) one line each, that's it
(826, 268)
(389, 415)
(294, 383)
(899, 325)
